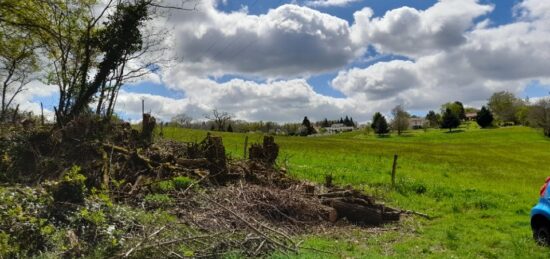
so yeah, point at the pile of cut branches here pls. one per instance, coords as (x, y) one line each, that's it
(249, 206)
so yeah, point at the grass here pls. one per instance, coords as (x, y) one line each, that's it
(478, 184)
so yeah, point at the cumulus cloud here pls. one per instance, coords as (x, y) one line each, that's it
(283, 100)
(33, 90)
(285, 42)
(448, 56)
(488, 59)
(414, 33)
(328, 3)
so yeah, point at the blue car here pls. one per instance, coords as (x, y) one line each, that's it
(540, 216)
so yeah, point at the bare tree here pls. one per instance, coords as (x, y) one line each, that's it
(182, 119)
(400, 121)
(17, 64)
(219, 118)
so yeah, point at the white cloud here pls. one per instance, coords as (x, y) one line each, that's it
(329, 3)
(506, 57)
(35, 89)
(414, 33)
(284, 100)
(285, 42)
(448, 57)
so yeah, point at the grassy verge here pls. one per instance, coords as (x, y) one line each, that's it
(478, 184)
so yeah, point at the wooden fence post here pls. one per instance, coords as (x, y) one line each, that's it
(245, 146)
(42, 113)
(394, 166)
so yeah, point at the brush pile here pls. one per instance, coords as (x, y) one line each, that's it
(249, 206)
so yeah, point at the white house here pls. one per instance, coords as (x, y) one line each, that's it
(416, 123)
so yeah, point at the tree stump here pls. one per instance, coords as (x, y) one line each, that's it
(215, 154)
(148, 126)
(266, 153)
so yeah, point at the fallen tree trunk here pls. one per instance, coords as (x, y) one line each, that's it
(356, 213)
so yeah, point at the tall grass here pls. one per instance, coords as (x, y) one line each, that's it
(478, 184)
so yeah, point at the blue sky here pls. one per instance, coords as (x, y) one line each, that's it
(282, 60)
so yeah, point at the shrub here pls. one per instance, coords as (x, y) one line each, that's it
(164, 186)
(72, 188)
(484, 118)
(158, 200)
(182, 182)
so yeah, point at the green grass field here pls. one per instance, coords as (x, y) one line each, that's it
(479, 186)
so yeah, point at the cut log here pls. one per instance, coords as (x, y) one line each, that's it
(192, 163)
(348, 194)
(355, 213)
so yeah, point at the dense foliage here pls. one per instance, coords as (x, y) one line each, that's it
(484, 118)
(449, 120)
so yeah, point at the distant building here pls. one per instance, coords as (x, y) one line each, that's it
(471, 116)
(416, 123)
(337, 128)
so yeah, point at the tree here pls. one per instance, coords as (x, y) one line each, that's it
(456, 107)
(375, 119)
(381, 126)
(229, 128)
(346, 121)
(219, 118)
(484, 117)
(400, 119)
(307, 127)
(433, 119)
(182, 120)
(325, 123)
(460, 110)
(17, 63)
(539, 116)
(504, 106)
(449, 120)
(86, 48)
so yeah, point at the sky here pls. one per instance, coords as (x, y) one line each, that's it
(279, 60)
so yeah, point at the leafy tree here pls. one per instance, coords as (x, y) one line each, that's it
(400, 119)
(381, 126)
(346, 121)
(484, 118)
(229, 128)
(308, 128)
(539, 116)
(504, 106)
(85, 49)
(351, 122)
(377, 116)
(325, 123)
(456, 107)
(433, 119)
(449, 120)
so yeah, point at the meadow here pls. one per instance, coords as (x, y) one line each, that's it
(478, 185)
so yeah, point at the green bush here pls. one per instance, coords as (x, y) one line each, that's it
(182, 182)
(158, 200)
(72, 188)
(164, 186)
